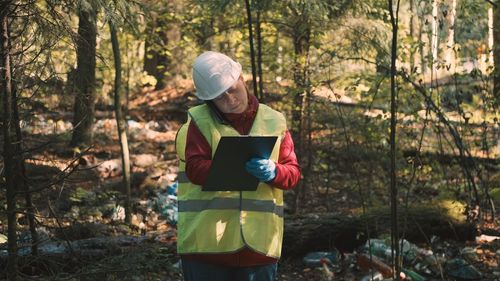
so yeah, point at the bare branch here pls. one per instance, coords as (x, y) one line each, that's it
(65, 173)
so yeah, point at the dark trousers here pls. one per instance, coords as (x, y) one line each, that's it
(201, 271)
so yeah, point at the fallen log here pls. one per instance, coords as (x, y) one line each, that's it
(323, 232)
(91, 247)
(68, 255)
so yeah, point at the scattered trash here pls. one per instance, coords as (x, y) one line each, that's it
(177, 265)
(132, 124)
(411, 251)
(3, 239)
(377, 247)
(118, 213)
(460, 269)
(172, 189)
(408, 251)
(153, 125)
(166, 204)
(327, 272)
(314, 259)
(486, 238)
(413, 275)
(434, 239)
(366, 262)
(110, 168)
(469, 254)
(375, 276)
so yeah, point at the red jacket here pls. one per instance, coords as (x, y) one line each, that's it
(198, 161)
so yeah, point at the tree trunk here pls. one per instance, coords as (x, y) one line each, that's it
(90, 249)
(323, 232)
(279, 58)
(450, 53)
(434, 38)
(85, 78)
(8, 148)
(21, 178)
(496, 55)
(393, 185)
(120, 121)
(259, 55)
(412, 35)
(252, 52)
(421, 48)
(301, 42)
(156, 61)
(490, 38)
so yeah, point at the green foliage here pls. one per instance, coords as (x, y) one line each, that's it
(495, 195)
(472, 26)
(81, 195)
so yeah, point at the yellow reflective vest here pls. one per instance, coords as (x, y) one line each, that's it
(226, 221)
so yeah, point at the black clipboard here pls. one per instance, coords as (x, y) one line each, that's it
(227, 172)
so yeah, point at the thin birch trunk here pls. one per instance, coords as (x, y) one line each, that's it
(490, 38)
(434, 38)
(421, 48)
(450, 52)
(120, 121)
(259, 55)
(412, 35)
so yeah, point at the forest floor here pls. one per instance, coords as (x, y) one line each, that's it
(87, 205)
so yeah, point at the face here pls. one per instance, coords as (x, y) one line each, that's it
(234, 100)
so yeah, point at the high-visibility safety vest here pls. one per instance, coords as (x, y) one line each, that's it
(226, 221)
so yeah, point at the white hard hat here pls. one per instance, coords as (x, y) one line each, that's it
(213, 74)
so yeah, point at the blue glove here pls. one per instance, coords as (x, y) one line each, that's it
(263, 169)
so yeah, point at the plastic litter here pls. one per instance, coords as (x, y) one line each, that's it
(313, 259)
(118, 213)
(413, 275)
(469, 254)
(378, 248)
(172, 189)
(460, 269)
(3, 239)
(486, 238)
(165, 203)
(376, 276)
(177, 265)
(408, 251)
(365, 262)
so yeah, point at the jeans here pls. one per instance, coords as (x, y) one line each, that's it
(201, 271)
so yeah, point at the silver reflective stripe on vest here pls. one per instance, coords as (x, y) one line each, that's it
(267, 206)
(182, 177)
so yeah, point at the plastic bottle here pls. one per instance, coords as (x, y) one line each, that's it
(413, 275)
(313, 259)
(376, 276)
(378, 248)
(364, 262)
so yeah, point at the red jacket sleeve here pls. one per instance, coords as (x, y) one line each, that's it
(287, 168)
(198, 155)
